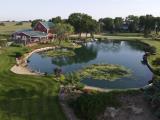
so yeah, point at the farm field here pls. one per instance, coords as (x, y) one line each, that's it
(11, 27)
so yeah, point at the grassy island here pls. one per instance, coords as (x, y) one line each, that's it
(105, 72)
(60, 52)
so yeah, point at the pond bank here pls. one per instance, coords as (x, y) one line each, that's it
(21, 68)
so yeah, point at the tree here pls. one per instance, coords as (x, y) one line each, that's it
(148, 23)
(108, 24)
(133, 22)
(56, 20)
(34, 22)
(83, 23)
(142, 23)
(93, 27)
(157, 25)
(63, 31)
(75, 20)
(118, 22)
(89, 25)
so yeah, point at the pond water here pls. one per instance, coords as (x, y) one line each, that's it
(125, 53)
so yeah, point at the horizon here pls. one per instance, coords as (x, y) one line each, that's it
(29, 10)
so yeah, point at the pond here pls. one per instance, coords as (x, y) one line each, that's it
(124, 53)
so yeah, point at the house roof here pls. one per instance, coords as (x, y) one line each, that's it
(32, 33)
(47, 25)
(24, 30)
(35, 33)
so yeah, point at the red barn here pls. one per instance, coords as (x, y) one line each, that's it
(46, 27)
(41, 32)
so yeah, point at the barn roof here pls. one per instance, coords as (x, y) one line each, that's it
(35, 34)
(32, 33)
(24, 30)
(47, 24)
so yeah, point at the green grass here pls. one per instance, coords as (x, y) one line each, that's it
(25, 97)
(11, 27)
(104, 72)
(152, 58)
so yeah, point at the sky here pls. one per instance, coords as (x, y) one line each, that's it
(46, 9)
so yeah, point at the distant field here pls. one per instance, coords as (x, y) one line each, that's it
(11, 27)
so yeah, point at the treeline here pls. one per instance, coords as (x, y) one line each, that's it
(145, 24)
(83, 23)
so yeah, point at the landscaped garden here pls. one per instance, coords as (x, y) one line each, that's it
(81, 66)
(26, 93)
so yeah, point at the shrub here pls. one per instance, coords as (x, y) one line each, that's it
(152, 95)
(18, 54)
(19, 23)
(88, 106)
(157, 71)
(156, 61)
(16, 45)
(2, 24)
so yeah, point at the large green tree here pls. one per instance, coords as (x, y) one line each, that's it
(133, 23)
(75, 20)
(83, 23)
(147, 23)
(63, 31)
(108, 24)
(118, 22)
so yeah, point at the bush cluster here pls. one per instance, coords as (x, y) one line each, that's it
(152, 94)
(156, 61)
(2, 24)
(89, 106)
(16, 45)
(19, 23)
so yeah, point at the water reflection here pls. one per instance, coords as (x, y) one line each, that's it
(128, 54)
(83, 55)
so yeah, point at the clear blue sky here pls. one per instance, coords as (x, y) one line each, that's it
(45, 9)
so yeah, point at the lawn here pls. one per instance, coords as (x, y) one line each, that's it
(11, 27)
(25, 97)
